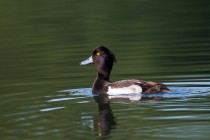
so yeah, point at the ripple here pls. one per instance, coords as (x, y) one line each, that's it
(79, 92)
(189, 83)
(64, 99)
(51, 109)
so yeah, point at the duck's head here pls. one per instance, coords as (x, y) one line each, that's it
(101, 56)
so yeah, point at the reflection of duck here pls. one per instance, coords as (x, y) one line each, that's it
(126, 98)
(105, 120)
(104, 60)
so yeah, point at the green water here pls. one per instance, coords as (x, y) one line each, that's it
(42, 43)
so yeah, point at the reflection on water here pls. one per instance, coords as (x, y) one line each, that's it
(105, 120)
(164, 115)
(166, 105)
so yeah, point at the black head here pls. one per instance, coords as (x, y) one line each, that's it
(100, 56)
(104, 59)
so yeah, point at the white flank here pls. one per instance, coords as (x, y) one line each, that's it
(135, 89)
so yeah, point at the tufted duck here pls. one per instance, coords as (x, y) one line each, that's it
(103, 58)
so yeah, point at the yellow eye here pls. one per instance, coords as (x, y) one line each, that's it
(98, 53)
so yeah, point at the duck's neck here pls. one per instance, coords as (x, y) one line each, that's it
(104, 72)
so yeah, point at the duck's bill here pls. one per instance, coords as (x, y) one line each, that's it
(87, 61)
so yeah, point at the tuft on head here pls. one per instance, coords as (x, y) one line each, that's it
(102, 50)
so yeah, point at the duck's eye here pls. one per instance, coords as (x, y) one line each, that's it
(98, 53)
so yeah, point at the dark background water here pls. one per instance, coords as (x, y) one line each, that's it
(42, 43)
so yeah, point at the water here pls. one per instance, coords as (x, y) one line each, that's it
(45, 94)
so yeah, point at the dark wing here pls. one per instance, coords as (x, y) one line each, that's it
(125, 83)
(153, 87)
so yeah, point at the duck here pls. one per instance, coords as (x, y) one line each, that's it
(104, 59)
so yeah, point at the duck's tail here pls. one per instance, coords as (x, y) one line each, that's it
(153, 87)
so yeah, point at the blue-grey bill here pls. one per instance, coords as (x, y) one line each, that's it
(87, 61)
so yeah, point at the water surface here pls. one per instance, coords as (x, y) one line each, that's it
(45, 94)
